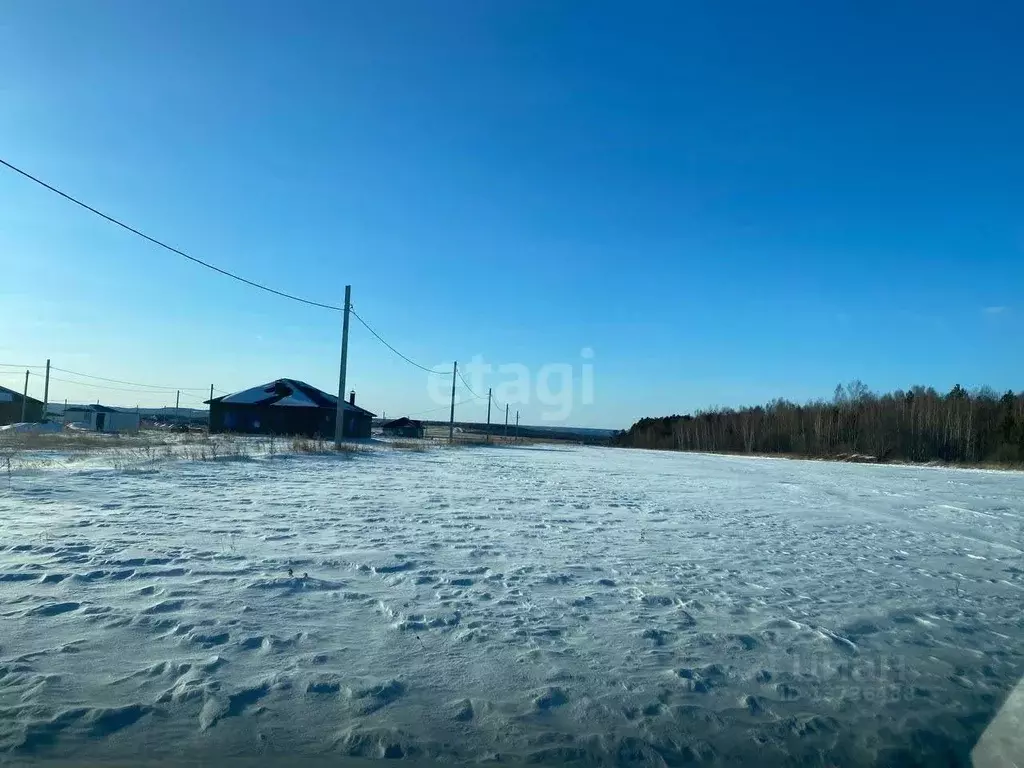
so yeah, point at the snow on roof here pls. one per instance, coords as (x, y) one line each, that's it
(297, 398)
(287, 392)
(95, 408)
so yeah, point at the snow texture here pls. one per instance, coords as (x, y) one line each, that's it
(540, 604)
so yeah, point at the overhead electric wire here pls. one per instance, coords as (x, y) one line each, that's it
(443, 407)
(466, 383)
(208, 265)
(170, 248)
(129, 383)
(106, 388)
(381, 340)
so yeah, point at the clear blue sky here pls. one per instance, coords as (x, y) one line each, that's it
(726, 202)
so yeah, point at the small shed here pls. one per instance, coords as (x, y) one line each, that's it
(102, 418)
(404, 427)
(287, 407)
(11, 404)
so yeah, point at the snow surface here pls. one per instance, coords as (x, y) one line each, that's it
(538, 604)
(26, 427)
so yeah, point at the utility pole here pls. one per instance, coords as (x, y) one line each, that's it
(65, 419)
(517, 426)
(24, 398)
(339, 417)
(488, 414)
(451, 416)
(209, 413)
(506, 421)
(177, 402)
(46, 389)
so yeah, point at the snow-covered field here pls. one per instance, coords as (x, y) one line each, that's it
(538, 604)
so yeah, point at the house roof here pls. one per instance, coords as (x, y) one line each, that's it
(95, 408)
(286, 393)
(405, 421)
(10, 396)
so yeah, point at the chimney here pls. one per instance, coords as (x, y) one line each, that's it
(352, 397)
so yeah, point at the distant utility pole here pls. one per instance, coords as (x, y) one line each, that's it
(517, 426)
(339, 416)
(451, 416)
(488, 414)
(64, 420)
(177, 402)
(506, 421)
(46, 389)
(209, 413)
(24, 399)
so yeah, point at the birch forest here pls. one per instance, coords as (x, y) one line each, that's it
(919, 424)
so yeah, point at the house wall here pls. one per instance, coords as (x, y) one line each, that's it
(358, 425)
(409, 431)
(270, 420)
(10, 412)
(121, 422)
(72, 416)
(113, 422)
(284, 420)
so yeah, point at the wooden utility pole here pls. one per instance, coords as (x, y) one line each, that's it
(506, 421)
(24, 398)
(46, 390)
(177, 402)
(517, 426)
(209, 413)
(339, 417)
(451, 415)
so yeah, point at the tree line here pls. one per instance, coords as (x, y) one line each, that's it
(918, 424)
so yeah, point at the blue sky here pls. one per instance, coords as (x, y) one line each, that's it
(726, 202)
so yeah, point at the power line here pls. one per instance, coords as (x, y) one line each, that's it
(163, 245)
(381, 340)
(443, 407)
(129, 383)
(480, 397)
(206, 264)
(106, 388)
(466, 383)
(22, 367)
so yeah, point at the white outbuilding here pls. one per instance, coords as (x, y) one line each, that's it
(102, 418)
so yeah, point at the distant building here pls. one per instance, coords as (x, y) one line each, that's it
(404, 427)
(11, 403)
(287, 407)
(102, 418)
